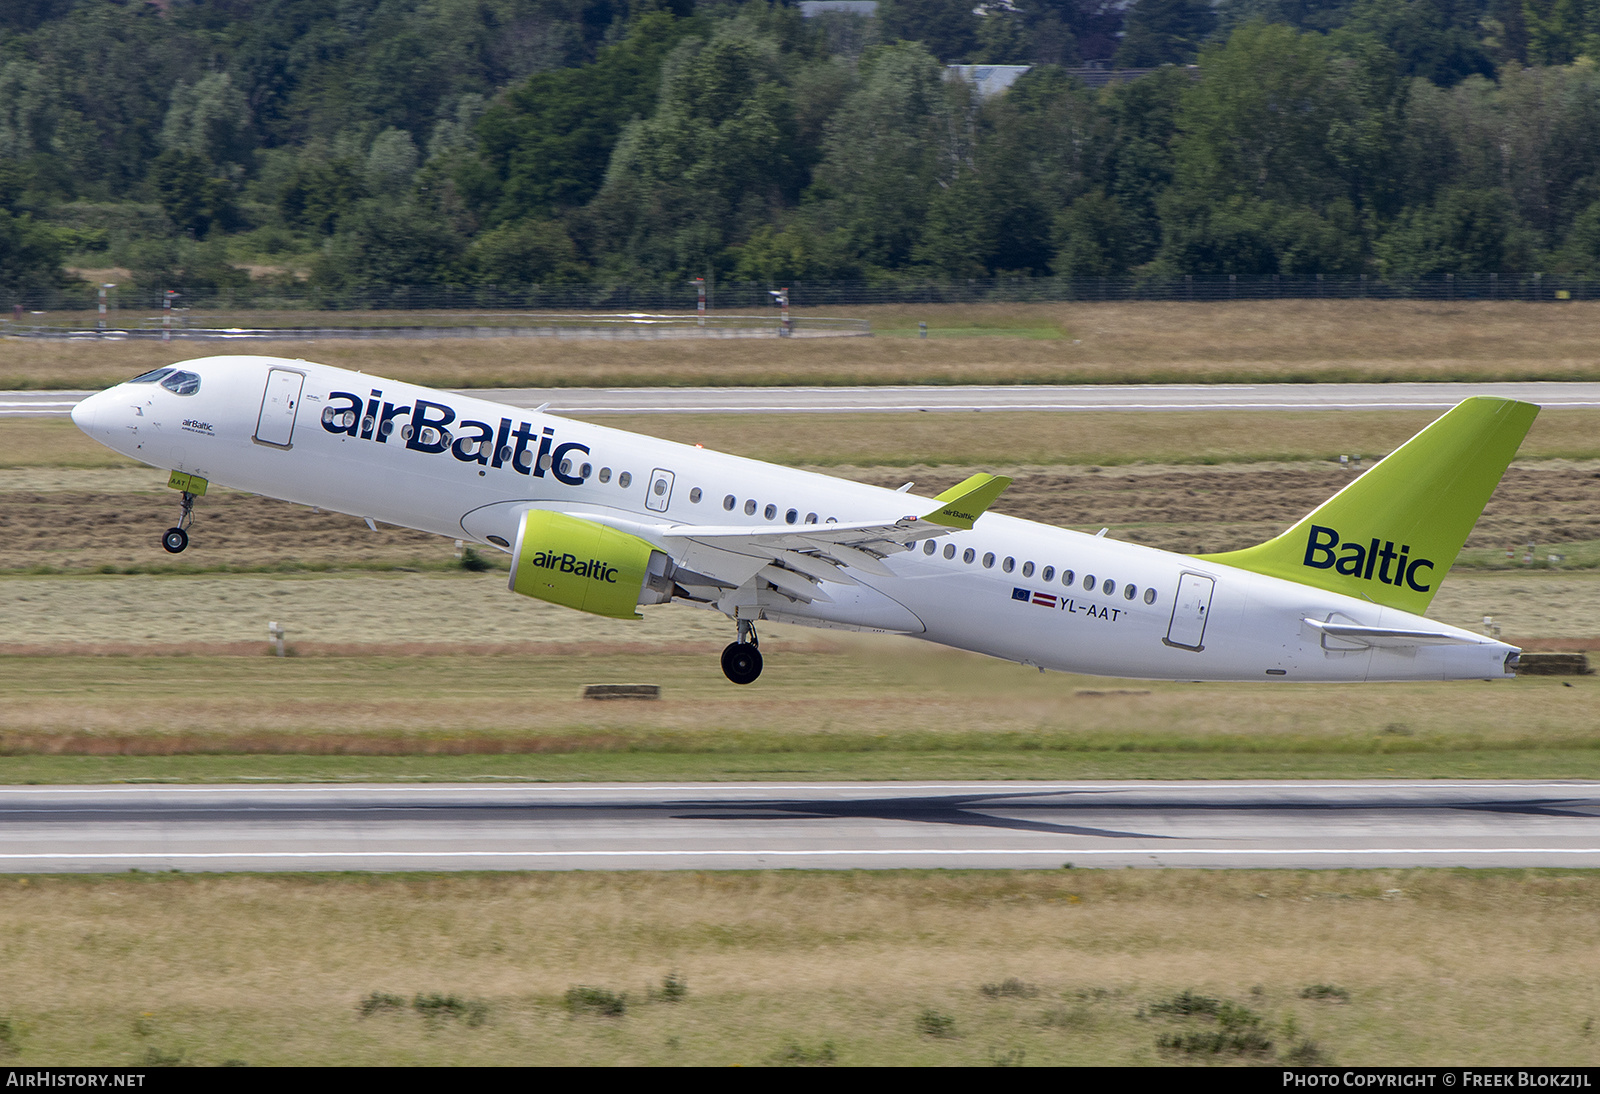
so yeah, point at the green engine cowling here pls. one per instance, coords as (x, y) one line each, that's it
(580, 564)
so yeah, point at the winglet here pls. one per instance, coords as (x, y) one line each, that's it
(966, 501)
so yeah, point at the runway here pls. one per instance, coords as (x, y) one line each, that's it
(815, 826)
(934, 398)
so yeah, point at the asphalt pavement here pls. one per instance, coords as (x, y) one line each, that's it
(823, 826)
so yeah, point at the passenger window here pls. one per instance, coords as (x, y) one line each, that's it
(605, 474)
(1009, 564)
(988, 560)
(949, 550)
(1027, 570)
(750, 507)
(811, 518)
(624, 479)
(566, 466)
(968, 555)
(1068, 577)
(770, 512)
(1088, 582)
(929, 547)
(729, 502)
(1047, 574)
(1149, 596)
(1130, 591)
(694, 496)
(792, 517)
(1109, 587)
(585, 471)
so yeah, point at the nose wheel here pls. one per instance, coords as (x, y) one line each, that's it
(741, 660)
(176, 538)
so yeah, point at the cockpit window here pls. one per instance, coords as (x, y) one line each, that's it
(150, 377)
(182, 383)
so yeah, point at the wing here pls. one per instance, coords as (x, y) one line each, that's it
(797, 559)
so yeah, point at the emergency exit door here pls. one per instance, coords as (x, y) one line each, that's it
(659, 493)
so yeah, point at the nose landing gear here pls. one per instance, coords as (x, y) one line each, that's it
(176, 538)
(741, 660)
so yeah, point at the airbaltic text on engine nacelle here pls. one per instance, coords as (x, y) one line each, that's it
(579, 564)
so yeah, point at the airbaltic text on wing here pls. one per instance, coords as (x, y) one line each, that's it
(475, 442)
(1357, 560)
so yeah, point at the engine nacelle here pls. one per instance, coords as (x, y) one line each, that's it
(579, 564)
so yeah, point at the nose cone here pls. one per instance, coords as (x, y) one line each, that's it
(83, 415)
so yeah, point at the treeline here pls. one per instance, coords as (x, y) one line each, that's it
(324, 147)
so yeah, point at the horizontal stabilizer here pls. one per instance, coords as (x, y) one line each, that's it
(1389, 637)
(966, 501)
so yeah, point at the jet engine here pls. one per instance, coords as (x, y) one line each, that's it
(580, 564)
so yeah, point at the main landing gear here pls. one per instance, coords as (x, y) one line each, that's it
(741, 661)
(176, 538)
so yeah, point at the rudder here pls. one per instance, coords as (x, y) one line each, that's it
(1392, 534)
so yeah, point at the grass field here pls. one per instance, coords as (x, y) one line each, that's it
(1290, 341)
(155, 686)
(943, 967)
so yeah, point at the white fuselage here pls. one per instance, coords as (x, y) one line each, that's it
(1010, 588)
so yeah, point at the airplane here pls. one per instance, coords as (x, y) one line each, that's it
(605, 521)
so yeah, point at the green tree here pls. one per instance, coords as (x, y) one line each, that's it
(1095, 237)
(382, 243)
(1437, 40)
(210, 119)
(1165, 32)
(899, 136)
(193, 200)
(182, 264)
(547, 145)
(531, 252)
(948, 29)
(1561, 31)
(1466, 231)
(30, 258)
(316, 195)
(392, 163)
(1580, 254)
(712, 164)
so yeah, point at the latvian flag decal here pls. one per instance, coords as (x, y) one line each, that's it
(1047, 600)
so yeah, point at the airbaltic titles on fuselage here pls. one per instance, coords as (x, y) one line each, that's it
(372, 419)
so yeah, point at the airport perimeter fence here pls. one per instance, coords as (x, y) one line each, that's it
(681, 296)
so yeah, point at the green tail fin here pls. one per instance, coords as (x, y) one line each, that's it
(1392, 534)
(966, 501)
